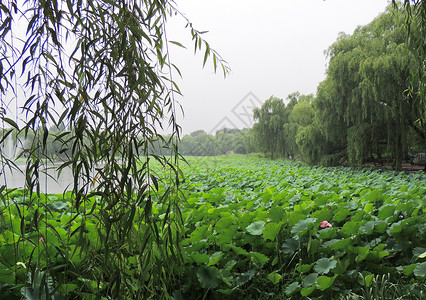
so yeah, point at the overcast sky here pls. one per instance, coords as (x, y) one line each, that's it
(274, 48)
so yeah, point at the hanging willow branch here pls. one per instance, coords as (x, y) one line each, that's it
(99, 71)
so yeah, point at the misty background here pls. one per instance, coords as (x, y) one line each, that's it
(274, 48)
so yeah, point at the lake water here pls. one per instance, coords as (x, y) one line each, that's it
(49, 180)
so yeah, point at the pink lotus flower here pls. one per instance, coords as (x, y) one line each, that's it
(41, 240)
(325, 224)
(242, 209)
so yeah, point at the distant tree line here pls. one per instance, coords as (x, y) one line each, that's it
(25, 143)
(367, 107)
(198, 143)
(223, 141)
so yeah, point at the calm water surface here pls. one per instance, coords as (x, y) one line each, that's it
(50, 182)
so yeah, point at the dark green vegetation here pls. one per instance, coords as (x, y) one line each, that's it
(253, 229)
(371, 105)
(90, 82)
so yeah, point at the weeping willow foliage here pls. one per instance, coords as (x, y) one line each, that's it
(365, 105)
(268, 129)
(416, 24)
(101, 68)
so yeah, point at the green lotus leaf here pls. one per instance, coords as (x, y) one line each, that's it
(341, 215)
(271, 231)
(369, 207)
(336, 244)
(324, 265)
(223, 291)
(245, 220)
(386, 211)
(368, 279)
(224, 223)
(323, 214)
(199, 233)
(292, 288)
(304, 268)
(324, 282)
(303, 225)
(274, 277)
(341, 267)
(67, 288)
(8, 237)
(256, 228)
(245, 277)
(328, 233)
(396, 227)
(240, 251)
(276, 214)
(58, 206)
(310, 280)
(215, 258)
(7, 276)
(362, 253)
(420, 270)
(290, 246)
(229, 265)
(259, 257)
(367, 227)
(208, 277)
(408, 270)
(307, 291)
(350, 228)
(419, 251)
(226, 235)
(200, 258)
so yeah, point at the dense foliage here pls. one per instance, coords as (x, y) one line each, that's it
(223, 141)
(365, 92)
(277, 124)
(254, 229)
(366, 108)
(91, 83)
(416, 23)
(263, 229)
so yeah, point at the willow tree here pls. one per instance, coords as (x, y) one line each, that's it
(300, 115)
(416, 36)
(324, 141)
(102, 68)
(363, 102)
(268, 129)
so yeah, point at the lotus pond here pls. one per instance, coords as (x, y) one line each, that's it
(253, 229)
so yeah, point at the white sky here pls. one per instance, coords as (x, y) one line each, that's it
(274, 47)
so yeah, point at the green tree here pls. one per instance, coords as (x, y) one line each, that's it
(102, 68)
(416, 29)
(197, 133)
(268, 129)
(300, 115)
(363, 103)
(249, 141)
